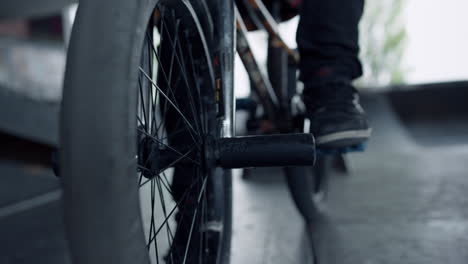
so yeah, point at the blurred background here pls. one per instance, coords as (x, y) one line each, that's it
(402, 42)
(403, 200)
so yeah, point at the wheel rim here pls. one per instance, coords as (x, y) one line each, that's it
(175, 119)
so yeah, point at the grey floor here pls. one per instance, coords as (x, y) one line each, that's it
(404, 202)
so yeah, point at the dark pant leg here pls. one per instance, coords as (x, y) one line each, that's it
(327, 38)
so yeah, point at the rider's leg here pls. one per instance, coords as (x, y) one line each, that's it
(328, 44)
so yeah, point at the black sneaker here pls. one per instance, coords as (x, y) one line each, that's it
(337, 120)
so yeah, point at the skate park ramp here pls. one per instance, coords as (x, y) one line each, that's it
(435, 114)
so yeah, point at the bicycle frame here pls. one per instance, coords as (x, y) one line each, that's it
(230, 35)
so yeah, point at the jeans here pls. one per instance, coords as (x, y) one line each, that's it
(327, 39)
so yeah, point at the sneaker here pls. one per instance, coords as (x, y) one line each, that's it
(337, 120)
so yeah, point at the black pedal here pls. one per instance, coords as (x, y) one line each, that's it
(266, 151)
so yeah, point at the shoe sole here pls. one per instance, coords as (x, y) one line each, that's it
(344, 138)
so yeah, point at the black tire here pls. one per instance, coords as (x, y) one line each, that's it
(308, 186)
(102, 150)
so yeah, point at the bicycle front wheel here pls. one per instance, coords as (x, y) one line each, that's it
(139, 120)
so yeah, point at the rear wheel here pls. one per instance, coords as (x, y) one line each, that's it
(308, 186)
(140, 180)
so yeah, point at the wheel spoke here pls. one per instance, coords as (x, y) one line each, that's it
(168, 81)
(200, 105)
(141, 184)
(171, 67)
(169, 100)
(189, 89)
(165, 181)
(202, 191)
(173, 134)
(184, 196)
(142, 104)
(167, 146)
(140, 121)
(167, 167)
(177, 160)
(184, 74)
(162, 199)
(152, 226)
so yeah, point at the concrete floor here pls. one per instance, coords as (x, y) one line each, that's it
(267, 228)
(404, 202)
